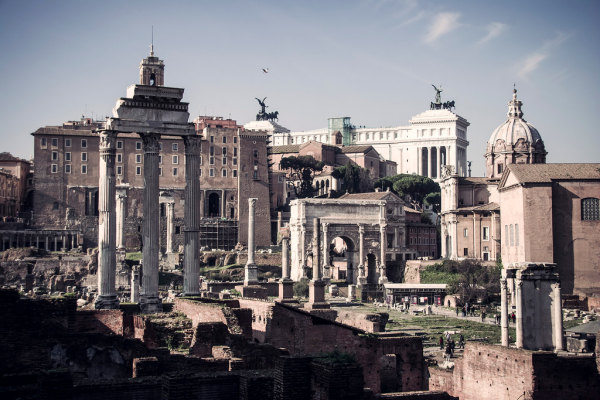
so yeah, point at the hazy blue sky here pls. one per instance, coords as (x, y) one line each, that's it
(372, 60)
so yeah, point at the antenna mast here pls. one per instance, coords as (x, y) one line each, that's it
(152, 43)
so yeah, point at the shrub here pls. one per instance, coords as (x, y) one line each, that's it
(301, 288)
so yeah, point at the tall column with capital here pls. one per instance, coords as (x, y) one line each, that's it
(519, 290)
(149, 300)
(121, 196)
(303, 251)
(107, 261)
(325, 250)
(191, 262)
(504, 311)
(382, 246)
(315, 251)
(557, 317)
(286, 285)
(251, 271)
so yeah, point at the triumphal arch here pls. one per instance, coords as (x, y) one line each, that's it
(371, 226)
(149, 110)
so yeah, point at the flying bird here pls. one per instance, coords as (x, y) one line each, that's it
(265, 70)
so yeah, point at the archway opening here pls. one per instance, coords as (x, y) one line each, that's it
(214, 209)
(341, 258)
(371, 268)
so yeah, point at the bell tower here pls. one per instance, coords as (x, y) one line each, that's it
(152, 70)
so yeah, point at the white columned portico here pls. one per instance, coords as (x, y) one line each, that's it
(191, 276)
(149, 300)
(107, 261)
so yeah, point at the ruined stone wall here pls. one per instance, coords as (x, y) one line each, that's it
(262, 318)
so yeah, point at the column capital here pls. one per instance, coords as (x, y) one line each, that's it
(108, 140)
(325, 226)
(361, 229)
(150, 141)
(503, 284)
(192, 145)
(252, 201)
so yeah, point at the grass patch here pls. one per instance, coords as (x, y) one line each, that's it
(136, 256)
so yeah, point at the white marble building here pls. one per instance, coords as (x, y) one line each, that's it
(433, 138)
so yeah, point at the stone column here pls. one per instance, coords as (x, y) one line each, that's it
(315, 251)
(121, 195)
(382, 245)
(557, 311)
(519, 290)
(149, 300)
(135, 284)
(396, 238)
(361, 251)
(170, 225)
(303, 250)
(55, 240)
(504, 311)
(439, 161)
(191, 262)
(47, 242)
(37, 242)
(73, 240)
(107, 261)
(251, 272)
(325, 250)
(286, 285)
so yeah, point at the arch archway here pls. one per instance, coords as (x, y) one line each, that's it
(342, 258)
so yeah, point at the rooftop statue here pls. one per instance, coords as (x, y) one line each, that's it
(263, 115)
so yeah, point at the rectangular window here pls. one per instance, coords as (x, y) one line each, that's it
(512, 235)
(175, 159)
(235, 139)
(211, 151)
(68, 156)
(138, 145)
(67, 142)
(119, 144)
(84, 156)
(234, 173)
(159, 171)
(67, 168)
(211, 160)
(43, 143)
(234, 160)
(175, 171)
(138, 158)
(212, 139)
(224, 160)
(54, 155)
(84, 169)
(200, 160)
(138, 170)
(200, 172)
(255, 175)
(466, 232)
(54, 168)
(255, 153)
(235, 151)
(211, 172)
(175, 147)
(590, 209)
(465, 252)
(224, 151)
(516, 234)
(54, 142)
(486, 233)
(84, 143)
(224, 139)
(224, 173)
(119, 157)
(160, 159)
(119, 170)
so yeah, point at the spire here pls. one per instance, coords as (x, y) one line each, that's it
(152, 43)
(514, 106)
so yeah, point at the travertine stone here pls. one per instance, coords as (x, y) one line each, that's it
(170, 226)
(191, 285)
(107, 296)
(504, 311)
(149, 300)
(121, 196)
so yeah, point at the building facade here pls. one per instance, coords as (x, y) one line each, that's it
(432, 139)
(16, 200)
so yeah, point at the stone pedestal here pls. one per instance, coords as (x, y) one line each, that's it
(351, 292)
(135, 284)
(253, 291)
(316, 296)
(286, 291)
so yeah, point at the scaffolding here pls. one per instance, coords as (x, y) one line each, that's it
(216, 233)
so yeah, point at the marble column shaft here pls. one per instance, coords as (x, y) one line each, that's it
(504, 311)
(121, 221)
(315, 250)
(149, 301)
(558, 323)
(250, 271)
(382, 245)
(170, 225)
(361, 250)
(285, 258)
(519, 290)
(325, 246)
(191, 275)
(107, 297)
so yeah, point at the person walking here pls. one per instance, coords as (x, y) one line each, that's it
(461, 341)
(482, 316)
(441, 342)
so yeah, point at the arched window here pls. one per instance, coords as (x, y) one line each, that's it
(590, 209)
(152, 79)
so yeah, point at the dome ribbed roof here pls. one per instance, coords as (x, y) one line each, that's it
(515, 127)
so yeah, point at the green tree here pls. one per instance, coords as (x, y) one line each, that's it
(415, 186)
(355, 179)
(434, 199)
(301, 171)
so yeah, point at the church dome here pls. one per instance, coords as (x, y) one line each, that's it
(516, 141)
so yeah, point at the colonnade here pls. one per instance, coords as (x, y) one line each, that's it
(49, 240)
(107, 221)
(431, 158)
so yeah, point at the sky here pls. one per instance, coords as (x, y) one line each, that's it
(371, 60)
